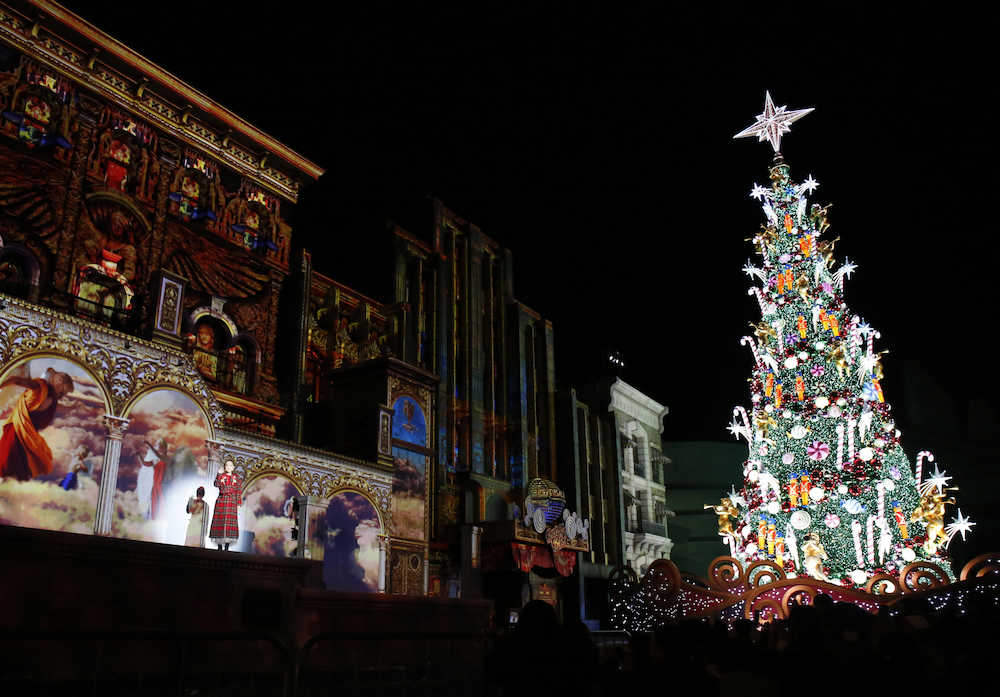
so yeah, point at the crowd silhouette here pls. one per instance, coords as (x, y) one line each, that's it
(823, 648)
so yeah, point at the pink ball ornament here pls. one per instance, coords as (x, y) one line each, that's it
(832, 520)
(788, 458)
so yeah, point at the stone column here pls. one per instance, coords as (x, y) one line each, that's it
(427, 570)
(214, 457)
(109, 473)
(383, 543)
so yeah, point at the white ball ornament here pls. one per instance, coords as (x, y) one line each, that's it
(821, 402)
(816, 494)
(745, 531)
(787, 414)
(834, 412)
(803, 355)
(859, 577)
(878, 443)
(909, 555)
(798, 431)
(888, 485)
(866, 454)
(755, 397)
(820, 345)
(842, 489)
(800, 520)
(791, 362)
(751, 548)
(773, 508)
(753, 476)
(768, 408)
(788, 458)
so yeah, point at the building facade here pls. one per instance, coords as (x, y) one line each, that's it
(614, 470)
(155, 323)
(147, 265)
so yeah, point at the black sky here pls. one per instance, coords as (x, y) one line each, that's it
(596, 143)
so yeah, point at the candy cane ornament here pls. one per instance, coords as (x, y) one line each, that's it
(850, 440)
(920, 463)
(753, 348)
(840, 446)
(778, 327)
(856, 534)
(742, 413)
(855, 342)
(872, 335)
(880, 488)
(760, 300)
(870, 534)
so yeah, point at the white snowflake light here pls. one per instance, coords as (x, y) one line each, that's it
(751, 271)
(937, 479)
(738, 500)
(845, 270)
(809, 185)
(759, 192)
(773, 123)
(961, 524)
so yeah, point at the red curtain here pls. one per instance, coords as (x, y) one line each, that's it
(527, 556)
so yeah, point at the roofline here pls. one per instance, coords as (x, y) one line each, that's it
(196, 98)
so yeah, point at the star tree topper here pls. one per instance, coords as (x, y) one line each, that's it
(773, 123)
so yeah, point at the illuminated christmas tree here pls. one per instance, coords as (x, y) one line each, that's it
(827, 490)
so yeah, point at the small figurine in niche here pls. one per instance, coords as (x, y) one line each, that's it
(204, 356)
(225, 528)
(198, 521)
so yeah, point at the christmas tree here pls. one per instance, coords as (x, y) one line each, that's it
(827, 490)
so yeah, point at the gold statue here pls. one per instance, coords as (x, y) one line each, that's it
(763, 331)
(838, 354)
(725, 510)
(803, 286)
(817, 215)
(764, 422)
(813, 556)
(825, 249)
(931, 511)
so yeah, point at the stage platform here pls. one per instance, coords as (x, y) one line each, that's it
(79, 607)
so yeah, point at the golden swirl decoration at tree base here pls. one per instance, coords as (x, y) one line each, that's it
(762, 591)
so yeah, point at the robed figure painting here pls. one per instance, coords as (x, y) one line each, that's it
(24, 454)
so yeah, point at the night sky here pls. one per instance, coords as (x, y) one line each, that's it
(596, 143)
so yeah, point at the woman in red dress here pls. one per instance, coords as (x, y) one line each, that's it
(225, 528)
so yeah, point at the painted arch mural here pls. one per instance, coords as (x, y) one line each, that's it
(164, 459)
(51, 445)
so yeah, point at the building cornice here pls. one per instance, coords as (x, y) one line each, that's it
(106, 66)
(628, 400)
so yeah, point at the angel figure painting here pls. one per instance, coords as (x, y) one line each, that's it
(159, 467)
(51, 445)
